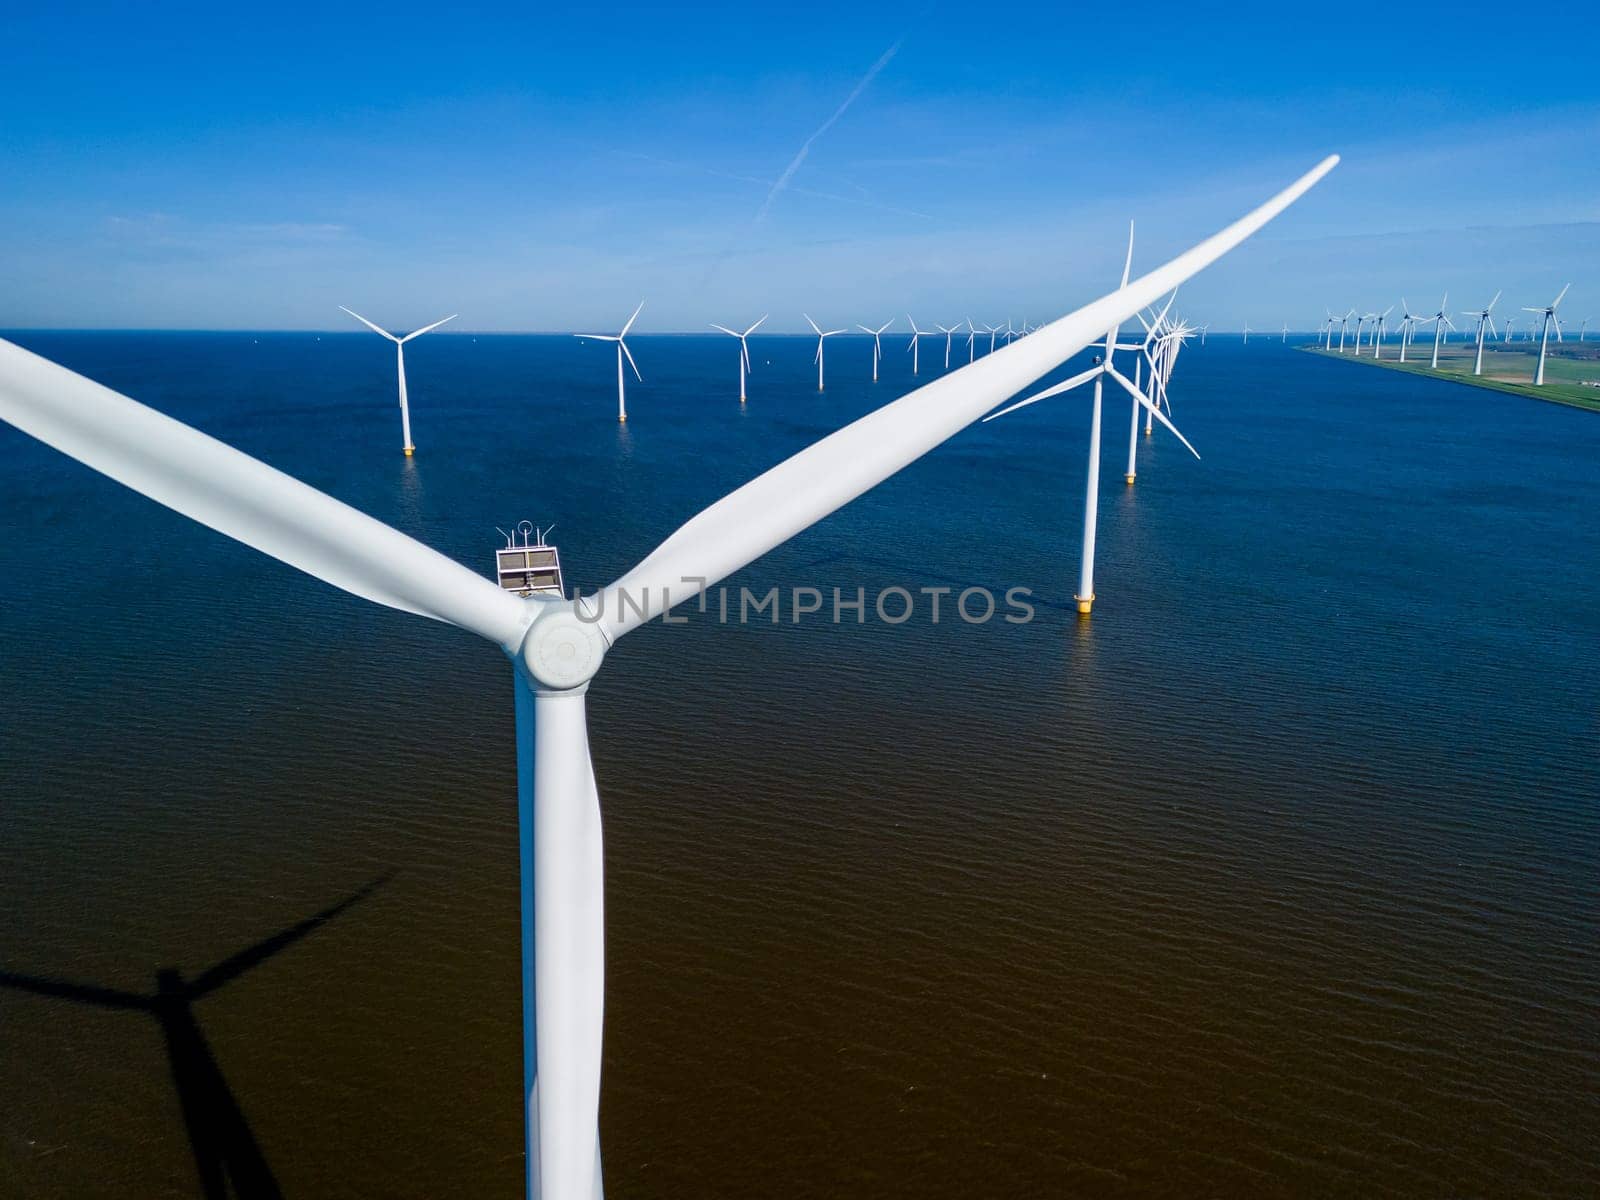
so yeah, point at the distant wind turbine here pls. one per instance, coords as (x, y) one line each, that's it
(877, 344)
(1377, 331)
(400, 368)
(821, 337)
(1344, 324)
(1440, 323)
(972, 333)
(1097, 373)
(1549, 314)
(744, 349)
(622, 349)
(1247, 333)
(1285, 336)
(916, 336)
(947, 335)
(1485, 322)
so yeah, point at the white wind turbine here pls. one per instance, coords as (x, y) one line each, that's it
(877, 344)
(1506, 329)
(972, 333)
(1102, 367)
(400, 368)
(556, 646)
(1162, 342)
(1378, 320)
(993, 332)
(1203, 330)
(1344, 324)
(1549, 314)
(948, 333)
(622, 349)
(1408, 326)
(1285, 336)
(1583, 329)
(744, 349)
(821, 337)
(1485, 323)
(916, 336)
(1440, 322)
(1247, 333)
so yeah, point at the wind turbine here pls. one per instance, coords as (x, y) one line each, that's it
(947, 335)
(1203, 329)
(821, 337)
(1377, 331)
(400, 368)
(1102, 367)
(744, 349)
(1162, 342)
(1344, 324)
(877, 344)
(993, 331)
(916, 335)
(1247, 333)
(1408, 326)
(1583, 329)
(622, 349)
(1285, 338)
(1549, 313)
(1440, 321)
(972, 333)
(1506, 337)
(556, 645)
(1485, 322)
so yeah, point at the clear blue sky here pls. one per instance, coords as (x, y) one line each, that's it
(546, 167)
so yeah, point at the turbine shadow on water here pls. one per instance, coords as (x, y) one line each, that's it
(225, 1149)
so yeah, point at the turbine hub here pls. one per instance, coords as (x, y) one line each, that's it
(562, 650)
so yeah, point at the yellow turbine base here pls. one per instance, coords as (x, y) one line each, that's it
(410, 450)
(1085, 603)
(1129, 478)
(623, 419)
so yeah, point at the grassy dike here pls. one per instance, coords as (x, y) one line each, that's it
(1562, 375)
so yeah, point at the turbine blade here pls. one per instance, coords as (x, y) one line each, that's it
(631, 363)
(240, 496)
(757, 325)
(1127, 386)
(796, 493)
(1556, 303)
(813, 324)
(1065, 386)
(1127, 263)
(725, 329)
(631, 320)
(415, 333)
(370, 325)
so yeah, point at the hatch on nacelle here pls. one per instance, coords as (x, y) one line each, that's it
(526, 565)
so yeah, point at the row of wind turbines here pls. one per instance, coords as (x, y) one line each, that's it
(557, 645)
(1374, 324)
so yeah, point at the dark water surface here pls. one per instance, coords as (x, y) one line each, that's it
(1277, 878)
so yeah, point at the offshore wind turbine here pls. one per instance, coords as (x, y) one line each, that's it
(821, 337)
(877, 344)
(1408, 326)
(744, 349)
(557, 646)
(1485, 322)
(1247, 333)
(972, 333)
(947, 335)
(993, 331)
(1344, 324)
(400, 369)
(1103, 366)
(1549, 314)
(916, 336)
(1285, 338)
(621, 340)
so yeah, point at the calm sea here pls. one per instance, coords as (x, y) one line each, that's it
(1278, 877)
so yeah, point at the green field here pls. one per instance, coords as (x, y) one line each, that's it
(1507, 366)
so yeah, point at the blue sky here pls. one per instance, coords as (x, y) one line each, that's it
(546, 167)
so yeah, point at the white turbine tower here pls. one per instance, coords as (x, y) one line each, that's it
(1506, 328)
(556, 645)
(948, 333)
(877, 344)
(1247, 333)
(1344, 325)
(972, 333)
(400, 369)
(1549, 314)
(1102, 367)
(994, 332)
(1408, 326)
(916, 336)
(744, 349)
(821, 337)
(1485, 323)
(1284, 339)
(622, 349)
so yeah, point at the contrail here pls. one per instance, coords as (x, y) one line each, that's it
(800, 157)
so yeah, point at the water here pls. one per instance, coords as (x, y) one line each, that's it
(1276, 878)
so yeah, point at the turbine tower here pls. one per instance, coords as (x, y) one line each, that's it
(916, 336)
(947, 335)
(744, 349)
(622, 349)
(400, 369)
(1377, 331)
(1344, 324)
(1485, 322)
(556, 645)
(877, 344)
(821, 337)
(1247, 333)
(1440, 322)
(1549, 314)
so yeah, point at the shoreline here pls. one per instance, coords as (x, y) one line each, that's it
(1550, 393)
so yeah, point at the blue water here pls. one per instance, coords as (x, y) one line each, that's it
(1276, 877)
